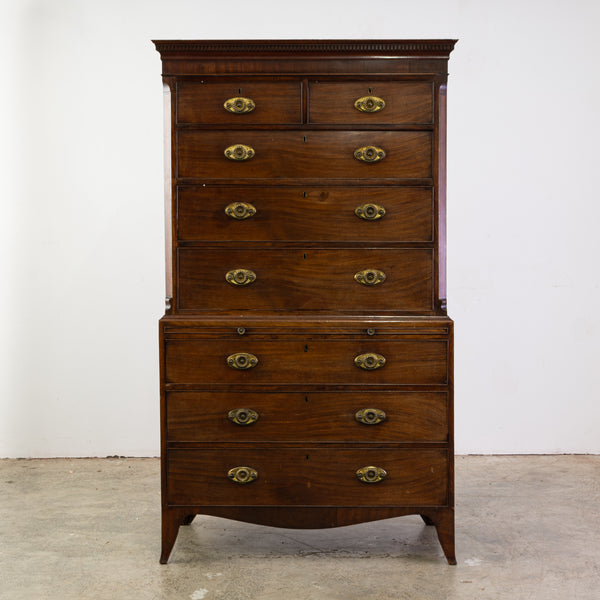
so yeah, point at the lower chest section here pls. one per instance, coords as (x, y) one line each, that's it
(352, 412)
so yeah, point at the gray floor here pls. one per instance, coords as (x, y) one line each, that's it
(527, 527)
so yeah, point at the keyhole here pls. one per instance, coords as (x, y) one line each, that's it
(306, 348)
(304, 194)
(305, 398)
(304, 256)
(304, 138)
(307, 457)
(370, 90)
(240, 91)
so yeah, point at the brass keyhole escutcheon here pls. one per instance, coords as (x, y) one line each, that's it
(243, 416)
(371, 474)
(369, 212)
(240, 210)
(239, 152)
(370, 361)
(370, 416)
(240, 277)
(369, 154)
(242, 361)
(370, 277)
(242, 474)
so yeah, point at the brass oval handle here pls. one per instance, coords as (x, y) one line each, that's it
(239, 152)
(240, 277)
(241, 361)
(369, 211)
(240, 210)
(239, 105)
(371, 474)
(370, 277)
(369, 154)
(370, 361)
(243, 416)
(242, 474)
(370, 416)
(369, 104)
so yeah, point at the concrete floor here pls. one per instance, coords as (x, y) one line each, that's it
(527, 528)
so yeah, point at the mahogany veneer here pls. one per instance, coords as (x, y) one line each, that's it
(316, 389)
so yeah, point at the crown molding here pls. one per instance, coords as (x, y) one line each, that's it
(383, 48)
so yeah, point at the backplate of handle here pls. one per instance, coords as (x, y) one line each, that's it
(369, 211)
(242, 474)
(239, 105)
(240, 210)
(243, 416)
(369, 154)
(369, 104)
(370, 361)
(239, 152)
(370, 277)
(371, 474)
(370, 416)
(242, 361)
(240, 277)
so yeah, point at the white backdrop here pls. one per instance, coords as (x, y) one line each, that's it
(81, 226)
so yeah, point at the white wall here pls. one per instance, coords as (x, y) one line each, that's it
(81, 261)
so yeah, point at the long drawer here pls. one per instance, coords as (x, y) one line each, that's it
(385, 214)
(303, 154)
(196, 416)
(311, 279)
(307, 476)
(298, 362)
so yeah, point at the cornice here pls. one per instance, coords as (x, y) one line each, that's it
(384, 48)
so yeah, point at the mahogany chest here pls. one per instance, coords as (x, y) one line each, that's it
(306, 353)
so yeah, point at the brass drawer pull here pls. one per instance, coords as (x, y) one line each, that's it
(369, 212)
(243, 416)
(242, 475)
(239, 152)
(371, 474)
(241, 361)
(370, 277)
(370, 361)
(240, 276)
(370, 154)
(239, 105)
(370, 416)
(240, 210)
(369, 104)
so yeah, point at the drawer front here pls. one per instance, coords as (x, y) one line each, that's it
(303, 154)
(194, 416)
(312, 279)
(298, 362)
(307, 476)
(404, 103)
(202, 102)
(299, 214)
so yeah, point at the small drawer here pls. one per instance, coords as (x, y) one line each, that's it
(311, 279)
(196, 416)
(249, 361)
(357, 214)
(307, 476)
(356, 155)
(247, 103)
(354, 103)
